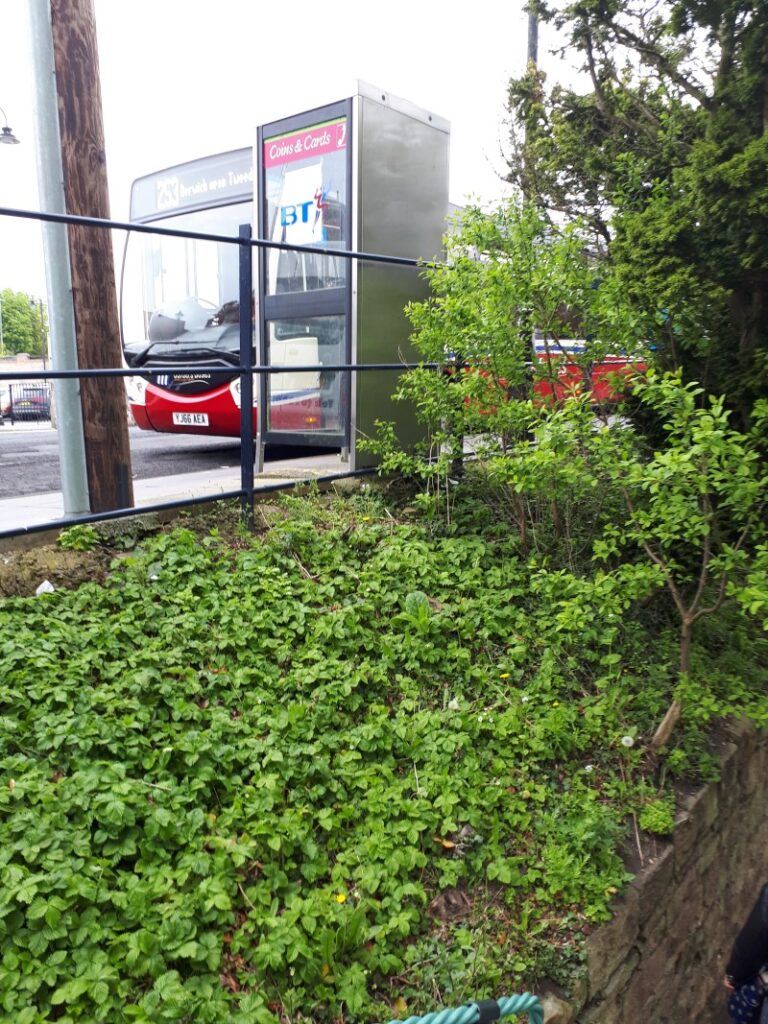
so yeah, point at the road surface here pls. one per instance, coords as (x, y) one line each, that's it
(29, 457)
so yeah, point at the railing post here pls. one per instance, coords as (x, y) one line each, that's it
(61, 317)
(246, 376)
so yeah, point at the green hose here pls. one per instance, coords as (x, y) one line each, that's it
(470, 1014)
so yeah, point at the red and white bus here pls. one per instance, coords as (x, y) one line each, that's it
(180, 298)
(567, 369)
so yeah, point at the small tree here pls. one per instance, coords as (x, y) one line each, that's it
(509, 276)
(679, 506)
(694, 508)
(22, 331)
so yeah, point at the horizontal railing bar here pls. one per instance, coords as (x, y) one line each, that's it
(121, 513)
(257, 243)
(152, 370)
(169, 506)
(246, 492)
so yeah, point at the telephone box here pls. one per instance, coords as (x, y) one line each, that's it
(367, 174)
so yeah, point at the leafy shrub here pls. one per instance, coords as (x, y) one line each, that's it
(658, 816)
(655, 484)
(267, 779)
(79, 538)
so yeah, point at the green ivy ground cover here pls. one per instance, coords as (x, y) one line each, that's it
(337, 770)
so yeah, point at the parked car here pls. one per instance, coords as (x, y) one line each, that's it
(28, 402)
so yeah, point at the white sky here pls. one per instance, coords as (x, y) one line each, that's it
(185, 78)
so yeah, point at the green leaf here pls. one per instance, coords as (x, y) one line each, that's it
(70, 991)
(100, 992)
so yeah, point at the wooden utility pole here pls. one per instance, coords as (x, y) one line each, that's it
(105, 421)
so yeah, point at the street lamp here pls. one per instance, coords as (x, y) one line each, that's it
(6, 135)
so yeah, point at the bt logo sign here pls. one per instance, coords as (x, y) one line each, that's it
(295, 213)
(298, 213)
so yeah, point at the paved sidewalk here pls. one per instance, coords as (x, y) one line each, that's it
(34, 510)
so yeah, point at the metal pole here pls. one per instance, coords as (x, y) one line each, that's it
(533, 40)
(246, 379)
(530, 67)
(74, 478)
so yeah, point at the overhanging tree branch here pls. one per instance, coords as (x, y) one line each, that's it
(655, 57)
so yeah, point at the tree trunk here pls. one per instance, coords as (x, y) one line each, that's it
(666, 726)
(671, 718)
(105, 422)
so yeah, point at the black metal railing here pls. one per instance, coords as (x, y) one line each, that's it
(247, 368)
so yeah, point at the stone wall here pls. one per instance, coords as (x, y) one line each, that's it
(661, 958)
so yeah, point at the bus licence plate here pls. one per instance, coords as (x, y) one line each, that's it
(190, 419)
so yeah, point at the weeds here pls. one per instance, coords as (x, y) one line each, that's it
(354, 767)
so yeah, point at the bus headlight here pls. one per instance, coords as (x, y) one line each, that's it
(234, 390)
(136, 389)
